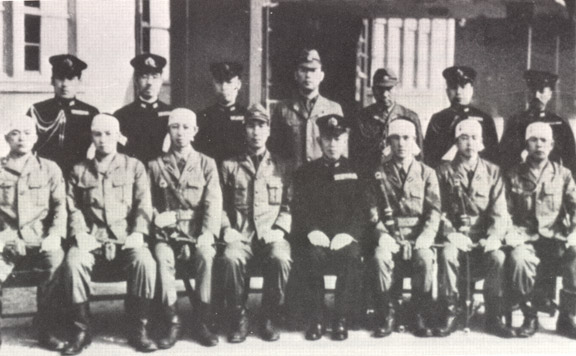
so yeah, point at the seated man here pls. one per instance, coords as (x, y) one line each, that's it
(476, 219)
(32, 219)
(188, 202)
(328, 224)
(406, 214)
(541, 198)
(109, 213)
(256, 221)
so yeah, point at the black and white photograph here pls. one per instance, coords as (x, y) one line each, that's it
(288, 177)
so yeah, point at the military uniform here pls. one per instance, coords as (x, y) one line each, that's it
(480, 195)
(440, 133)
(368, 135)
(144, 125)
(513, 142)
(414, 199)
(33, 206)
(539, 208)
(221, 132)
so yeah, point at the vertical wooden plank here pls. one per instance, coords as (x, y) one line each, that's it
(394, 46)
(450, 41)
(409, 53)
(423, 62)
(256, 37)
(437, 53)
(378, 44)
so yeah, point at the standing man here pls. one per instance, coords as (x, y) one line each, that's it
(145, 120)
(476, 220)
(406, 213)
(221, 126)
(368, 136)
(440, 133)
(294, 133)
(32, 220)
(542, 197)
(329, 218)
(256, 223)
(540, 89)
(63, 122)
(109, 215)
(187, 199)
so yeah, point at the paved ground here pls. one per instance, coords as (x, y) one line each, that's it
(110, 340)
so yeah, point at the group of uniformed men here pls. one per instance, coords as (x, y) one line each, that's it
(235, 187)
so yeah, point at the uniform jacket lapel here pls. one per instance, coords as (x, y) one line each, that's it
(480, 178)
(392, 175)
(191, 164)
(247, 164)
(171, 166)
(412, 176)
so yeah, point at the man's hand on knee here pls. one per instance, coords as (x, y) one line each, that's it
(490, 244)
(461, 241)
(318, 238)
(341, 240)
(273, 235)
(232, 235)
(388, 243)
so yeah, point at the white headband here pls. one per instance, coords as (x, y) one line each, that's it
(105, 121)
(182, 116)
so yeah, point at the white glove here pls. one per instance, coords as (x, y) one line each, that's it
(164, 219)
(571, 240)
(318, 238)
(231, 235)
(273, 236)
(86, 242)
(461, 241)
(388, 243)
(514, 239)
(51, 242)
(492, 245)
(134, 240)
(205, 239)
(341, 240)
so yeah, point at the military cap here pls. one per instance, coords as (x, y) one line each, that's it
(384, 77)
(459, 75)
(66, 66)
(148, 63)
(309, 58)
(225, 71)
(540, 79)
(332, 125)
(257, 112)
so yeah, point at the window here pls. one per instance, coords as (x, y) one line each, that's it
(31, 42)
(153, 29)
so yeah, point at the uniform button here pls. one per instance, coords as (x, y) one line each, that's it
(308, 159)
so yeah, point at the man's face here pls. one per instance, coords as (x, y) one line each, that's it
(257, 133)
(333, 147)
(539, 148)
(468, 145)
(21, 141)
(460, 94)
(384, 95)
(309, 78)
(539, 97)
(66, 88)
(149, 85)
(400, 144)
(182, 133)
(227, 91)
(105, 140)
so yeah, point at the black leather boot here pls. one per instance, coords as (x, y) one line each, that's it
(385, 316)
(315, 330)
(139, 338)
(422, 305)
(493, 322)
(205, 319)
(339, 329)
(239, 328)
(530, 324)
(81, 338)
(451, 317)
(174, 328)
(566, 323)
(45, 321)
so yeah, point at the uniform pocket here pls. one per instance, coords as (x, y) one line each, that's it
(122, 188)
(7, 193)
(193, 193)
(551, 196)
(274, 192)
(39, 191)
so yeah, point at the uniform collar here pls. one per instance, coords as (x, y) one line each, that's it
(461, 108)
(226, 109)
(9, 164)
(144, 104)
(65, 102)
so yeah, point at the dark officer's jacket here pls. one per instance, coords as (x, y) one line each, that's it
(293, 130)
(109, 206)
(198, 185)
(145, 126)
(514, 141)
(63, 130)
(440, 133)
(369, 132)
(415, 202)
(328, 197)
(32, 202)
(256, 200)
(538, 206)
(483, 197)
(221, 132)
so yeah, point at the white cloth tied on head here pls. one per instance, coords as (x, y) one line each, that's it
(537, 129)
(468, 127)
(402, 127)
(180, 116)
(20, 123)
(105, 122)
